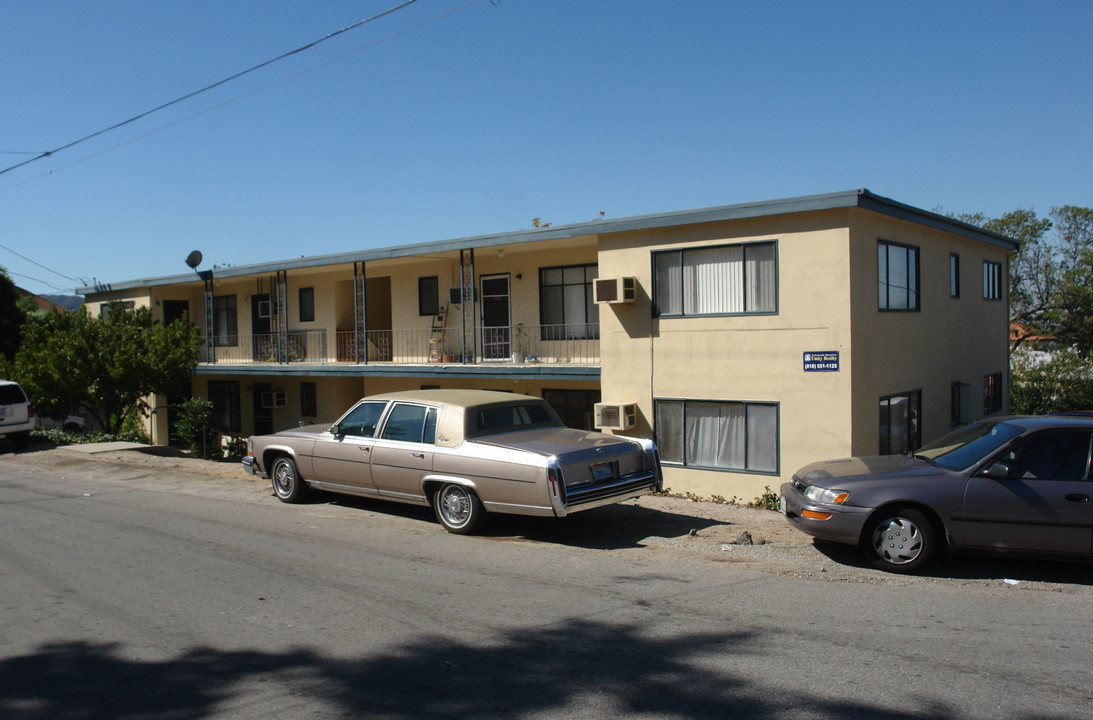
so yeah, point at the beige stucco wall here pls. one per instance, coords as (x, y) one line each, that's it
(948, 340)
(749, 358)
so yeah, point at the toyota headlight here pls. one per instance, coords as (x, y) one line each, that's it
(818, 494)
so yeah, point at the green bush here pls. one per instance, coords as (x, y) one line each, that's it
(237, 446)
(60, 436)
(194, 430)
(769, 500)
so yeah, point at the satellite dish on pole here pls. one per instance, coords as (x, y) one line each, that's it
(194, 259)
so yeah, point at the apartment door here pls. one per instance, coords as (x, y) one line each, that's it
(263, 416)
(496, 333)
(262, 328)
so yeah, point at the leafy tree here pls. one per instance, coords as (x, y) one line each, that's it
(11, 316)
(1051, 275)
(1070, 318)
(1042, 382)
(1033, 271)
(71, 361)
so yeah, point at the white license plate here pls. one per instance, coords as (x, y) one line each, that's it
(603, 471)
(782, 504)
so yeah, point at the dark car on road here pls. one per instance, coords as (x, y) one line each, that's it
(1009, 484)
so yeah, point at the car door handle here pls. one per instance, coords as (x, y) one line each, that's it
(1077, 497)
(365, 450)
(419, 456)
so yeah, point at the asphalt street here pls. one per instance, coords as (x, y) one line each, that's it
(130, 592)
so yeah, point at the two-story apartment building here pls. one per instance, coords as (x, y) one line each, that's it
(747, 339)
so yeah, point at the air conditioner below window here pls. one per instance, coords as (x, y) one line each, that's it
(615, 416)
(273, 399)
(611, 291)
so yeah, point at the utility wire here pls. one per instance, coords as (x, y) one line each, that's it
(246, 94)
(32, 262)
(44, 282)
(133, 119)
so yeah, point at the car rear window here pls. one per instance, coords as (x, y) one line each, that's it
(507, 418)
(12, 395)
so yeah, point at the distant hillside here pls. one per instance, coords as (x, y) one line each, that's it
(45, 302)
(68, 302)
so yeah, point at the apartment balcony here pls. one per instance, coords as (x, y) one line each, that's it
(519, 344)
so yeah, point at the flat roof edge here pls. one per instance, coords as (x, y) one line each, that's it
(860, 198)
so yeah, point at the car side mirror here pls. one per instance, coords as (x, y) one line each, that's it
(335, 431)
(1000, 471)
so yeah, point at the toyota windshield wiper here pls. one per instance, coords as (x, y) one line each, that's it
(924, 459)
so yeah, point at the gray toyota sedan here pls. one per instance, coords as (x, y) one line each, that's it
(464, 452)
(1010, 484)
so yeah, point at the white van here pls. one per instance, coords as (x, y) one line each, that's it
(16, 414)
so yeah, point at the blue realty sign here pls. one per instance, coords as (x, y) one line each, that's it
(823, 361)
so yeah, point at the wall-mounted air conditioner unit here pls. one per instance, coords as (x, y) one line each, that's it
(611, 291)
(615, 416)
(273, 399)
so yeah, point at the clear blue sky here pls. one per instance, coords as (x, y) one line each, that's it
(500, 113)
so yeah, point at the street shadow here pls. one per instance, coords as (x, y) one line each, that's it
(977, 567)
(418, 513)
(561, 670)
(612, 527)
(35, 445)
(166, 451)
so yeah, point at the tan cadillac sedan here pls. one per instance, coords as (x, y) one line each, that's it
(464, 452)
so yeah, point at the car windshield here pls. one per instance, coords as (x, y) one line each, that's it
(963, 448)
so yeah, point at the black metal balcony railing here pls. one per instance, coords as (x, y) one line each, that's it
(574, 344)
(297, 346)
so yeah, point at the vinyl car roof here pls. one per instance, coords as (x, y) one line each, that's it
(453, 426)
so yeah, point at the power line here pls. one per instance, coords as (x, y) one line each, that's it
(32, 262)
(302, 48)
(246, 94)
(44, 282)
